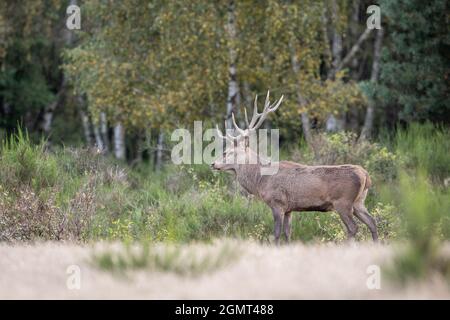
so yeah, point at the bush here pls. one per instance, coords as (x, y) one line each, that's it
(27, 216)
(425, 209)
(41, 198)
(425, 146)
(82, 195)
(94, 198)
(344, 147)
(25, 164)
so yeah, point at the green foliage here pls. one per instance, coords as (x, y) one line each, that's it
(25, 164)
(80, 194)
(29, 57)
(389, 222)
(174, 68)
(42, 198)
(421, 197)
(425, 209)
(415, 68)
(427, 147)
(344, 147)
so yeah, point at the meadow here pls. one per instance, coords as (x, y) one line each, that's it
(81, 196)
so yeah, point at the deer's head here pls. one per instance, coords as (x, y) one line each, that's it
(238, 151)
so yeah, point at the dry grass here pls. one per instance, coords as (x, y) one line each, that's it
(296, 271)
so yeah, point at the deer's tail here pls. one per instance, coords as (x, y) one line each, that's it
(368, 181)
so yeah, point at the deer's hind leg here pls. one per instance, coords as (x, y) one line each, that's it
(345, 211)
(277, 213)
(363, 215)
(287, 226)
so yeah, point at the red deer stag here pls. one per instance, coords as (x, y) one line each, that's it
(297, 187)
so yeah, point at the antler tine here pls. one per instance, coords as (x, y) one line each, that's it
(276, 104)
(241, 132)
(219, 133)
(246, 118)
(267, 109)
(227, 136)
(267, 102)
(261, 116)
(256, 115)
(257, 118)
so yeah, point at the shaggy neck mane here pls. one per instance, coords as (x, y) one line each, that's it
(249, 177)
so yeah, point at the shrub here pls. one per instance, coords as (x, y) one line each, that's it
(25, 164)
(26, 216)
(425, 146)
(41, 197)
(388, 219)
(424, 208)
(91, 197)
(344, 147)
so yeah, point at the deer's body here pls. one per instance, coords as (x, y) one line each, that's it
(298, 187)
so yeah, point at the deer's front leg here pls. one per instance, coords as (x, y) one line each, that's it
(287, 226)
(277, 220)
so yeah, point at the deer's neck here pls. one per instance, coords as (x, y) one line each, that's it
(249, 177)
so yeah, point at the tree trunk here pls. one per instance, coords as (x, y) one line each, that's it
(104, 131)
(336, 42)
(354, 50)
(98, 139)
(354, 32)
(233, 87)
(85, 120)
(48, 112)
(247, 95)
(148, 145)
(368, 121)
(86, 128)
(47, 118)
(119, 141)
(306, 125)
(334, 123)
(159, 151)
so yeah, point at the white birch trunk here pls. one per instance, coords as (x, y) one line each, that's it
(104, 131)
(119, 141)
(86, 128)
(233, 87)
(334, 123)
(306, 125)
(159, 151)
(47, 118)
(369, 118)
(98, 139)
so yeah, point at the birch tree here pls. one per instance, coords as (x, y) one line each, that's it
(369, 118)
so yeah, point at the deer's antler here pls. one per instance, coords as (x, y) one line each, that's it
(227, 136)
(257, 119)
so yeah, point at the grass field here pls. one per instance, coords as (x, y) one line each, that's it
(136, 233)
